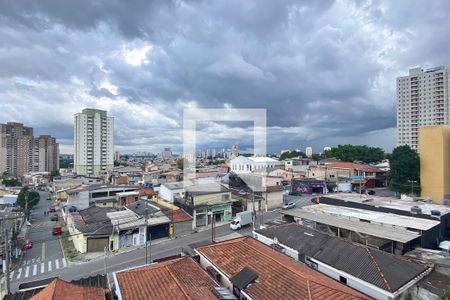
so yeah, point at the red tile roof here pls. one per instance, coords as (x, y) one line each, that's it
(60, 290)
(355, 166)
(178, 215)
(175, 279)
(279, 276)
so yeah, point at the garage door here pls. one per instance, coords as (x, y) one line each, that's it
(96, 244)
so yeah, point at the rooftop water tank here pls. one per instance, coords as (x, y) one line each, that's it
(435, 213)
(416, 210)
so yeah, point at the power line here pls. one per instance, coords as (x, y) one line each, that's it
(81, 233)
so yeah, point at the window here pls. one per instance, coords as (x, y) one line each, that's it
(343, 280)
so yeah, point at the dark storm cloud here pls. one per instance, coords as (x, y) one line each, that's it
(324, 70)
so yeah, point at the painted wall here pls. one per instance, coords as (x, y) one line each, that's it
(434, 145)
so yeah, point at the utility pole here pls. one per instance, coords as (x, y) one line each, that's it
(150, 242)
(26, 205)
(212, 227)
(360, 183)
(104, 262)
(146, 232)
(254, 209)
(7, 280)
(412, 186)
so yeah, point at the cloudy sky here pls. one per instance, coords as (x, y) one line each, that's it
(324, 70)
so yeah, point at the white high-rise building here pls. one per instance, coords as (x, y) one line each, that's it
(423, 99)
(309, 151)
(93, 142)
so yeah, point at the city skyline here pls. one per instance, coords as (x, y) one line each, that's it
(326, 77)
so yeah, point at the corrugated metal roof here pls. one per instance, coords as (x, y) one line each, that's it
(376, 230)
(379, 268)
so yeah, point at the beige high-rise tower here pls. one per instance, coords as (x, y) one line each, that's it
(423, 99)
(93, 142)
(16, 148)
(21, 153)
(45, 154)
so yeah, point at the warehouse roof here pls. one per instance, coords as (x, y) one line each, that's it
(377, 230)
(373, 216)
(390, 202)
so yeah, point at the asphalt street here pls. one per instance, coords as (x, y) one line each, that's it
(136, 257)
(46, 254)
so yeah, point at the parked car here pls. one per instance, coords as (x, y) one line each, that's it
(371, 192)
(289, 205)
(28, 244)
(54, 218)
(57, 230)
(51, 209)
(48, 198)
(72, 209)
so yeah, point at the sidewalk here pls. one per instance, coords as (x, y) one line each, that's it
(86, 257)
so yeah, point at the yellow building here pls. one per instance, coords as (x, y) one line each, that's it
(434, 145)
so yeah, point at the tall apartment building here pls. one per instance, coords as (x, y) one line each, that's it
(21, 153)
(423, 99)
(45, 154)
(166, 154)
(93, 142)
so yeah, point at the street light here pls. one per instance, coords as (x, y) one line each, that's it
(412, 185)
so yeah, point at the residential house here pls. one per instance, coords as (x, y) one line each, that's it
(126, 198)
(252, 270)
(91, 229)
(434, 285)
(59, 289)
(101, 195)
(180, 278)
(158, 221)
(372, 176)
(207, 203)
(181, 221)
(168, 191)
(120, 180)
(296, 164)
(29, 289)
(129, 229)
(373, 272)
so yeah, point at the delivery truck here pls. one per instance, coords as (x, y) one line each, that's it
(242, 219)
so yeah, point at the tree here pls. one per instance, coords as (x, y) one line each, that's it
(33, 198)
(11, 182)
(316, 157)
(405, 170)
(180, 163)
(291, 154)
(54, 173)
(65, 163)
(116, 163)
(356, 153)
